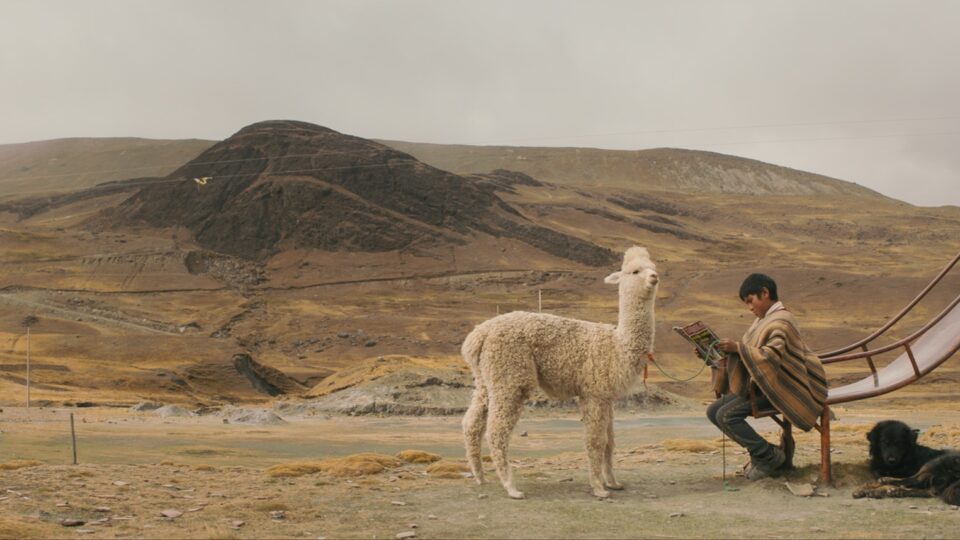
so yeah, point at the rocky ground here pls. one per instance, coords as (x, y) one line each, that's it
(149, 475)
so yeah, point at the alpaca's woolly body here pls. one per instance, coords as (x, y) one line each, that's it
(513, 354)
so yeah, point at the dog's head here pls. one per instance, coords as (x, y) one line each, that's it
(891, 441)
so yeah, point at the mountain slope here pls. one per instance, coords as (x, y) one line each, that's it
(669, 169)
(284, 185)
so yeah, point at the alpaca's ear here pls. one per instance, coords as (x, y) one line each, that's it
(915, 433)
(613, 278)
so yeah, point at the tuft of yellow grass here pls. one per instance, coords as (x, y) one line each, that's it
(418, 456)
(19, 464)
(352, 465)
(690, 445)
(290, 470)
(447, 469)
(382, 459)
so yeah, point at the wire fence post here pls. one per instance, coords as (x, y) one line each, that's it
(27, 322)
(539, 300)
(28, 367)
(73, 438)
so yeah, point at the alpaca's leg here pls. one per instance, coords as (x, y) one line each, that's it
(609, 480)
(595, 434)
(502, 417)
(474, 424)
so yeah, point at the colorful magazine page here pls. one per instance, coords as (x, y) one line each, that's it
(703, 338)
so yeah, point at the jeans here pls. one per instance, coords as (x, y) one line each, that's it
(729, 413)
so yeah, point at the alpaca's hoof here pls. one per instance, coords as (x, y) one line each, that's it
(601, 493)
(480, 480)
(514, 494)
(613, 485)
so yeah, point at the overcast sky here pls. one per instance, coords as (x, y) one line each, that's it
(866, 91)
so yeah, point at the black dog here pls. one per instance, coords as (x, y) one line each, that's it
(894, 450)
(939, 477)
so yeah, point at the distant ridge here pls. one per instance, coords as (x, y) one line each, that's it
(668, 169)
(61, 165)
(284, 184)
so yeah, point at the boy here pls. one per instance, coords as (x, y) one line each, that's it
(784, 373)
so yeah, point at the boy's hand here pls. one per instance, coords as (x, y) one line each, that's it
(728, 346)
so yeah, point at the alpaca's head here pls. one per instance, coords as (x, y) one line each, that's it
(638, 277)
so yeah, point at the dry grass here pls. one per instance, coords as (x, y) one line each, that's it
(352, 465)
(291, 470)
(448, 469)
(850, 428)
(691, 445)
(947, 436)
(19, 464)
(418, 456)
(15, 528)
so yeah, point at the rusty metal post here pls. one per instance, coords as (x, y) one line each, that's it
(826, 473)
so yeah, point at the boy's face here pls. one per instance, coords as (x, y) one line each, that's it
(758, 304)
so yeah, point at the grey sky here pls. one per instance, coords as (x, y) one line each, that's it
(864, 91)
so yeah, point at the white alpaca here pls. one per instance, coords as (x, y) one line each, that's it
(510, 355)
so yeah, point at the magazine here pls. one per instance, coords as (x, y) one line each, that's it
(704, 339)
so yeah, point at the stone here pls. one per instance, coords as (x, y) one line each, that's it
(406, 534)
(170, 513)
(72, 522)
(800, 490)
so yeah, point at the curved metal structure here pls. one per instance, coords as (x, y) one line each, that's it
(923, 351)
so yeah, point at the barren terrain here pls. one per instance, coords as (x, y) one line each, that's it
(254, 481)
(335, 334)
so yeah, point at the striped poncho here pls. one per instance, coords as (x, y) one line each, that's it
(774, 357)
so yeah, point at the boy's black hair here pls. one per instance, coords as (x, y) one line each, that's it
(756, 283)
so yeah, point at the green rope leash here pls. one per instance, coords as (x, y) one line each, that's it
(709, 352)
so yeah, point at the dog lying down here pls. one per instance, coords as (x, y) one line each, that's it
(894, 450)
(939, 477)
(906, 468)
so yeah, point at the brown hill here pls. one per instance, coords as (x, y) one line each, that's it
(281, 185)
(671, 169)
(359, 251)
